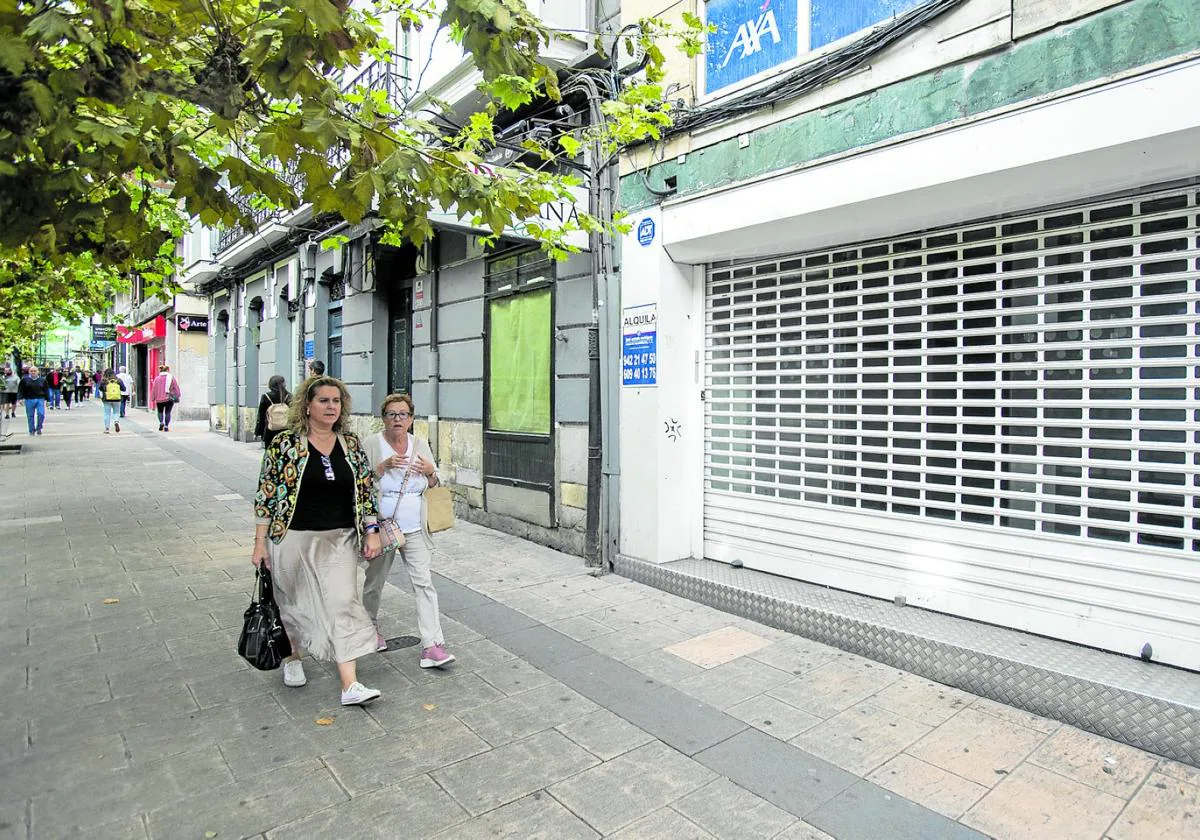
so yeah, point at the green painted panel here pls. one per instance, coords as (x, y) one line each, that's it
(1114, 41)
(519, 358)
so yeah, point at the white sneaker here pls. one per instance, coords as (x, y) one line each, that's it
(359, 695)
(293, 673)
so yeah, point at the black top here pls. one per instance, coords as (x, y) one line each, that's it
(321, 504)
(32, 389)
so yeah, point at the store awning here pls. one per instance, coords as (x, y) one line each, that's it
(156, 328)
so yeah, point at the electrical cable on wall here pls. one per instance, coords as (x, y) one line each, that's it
(814, 74)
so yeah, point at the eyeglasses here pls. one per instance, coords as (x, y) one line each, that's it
(328, 465)
(396, 415)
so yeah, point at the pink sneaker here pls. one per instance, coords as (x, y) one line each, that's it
(435, 657)
(380, 642)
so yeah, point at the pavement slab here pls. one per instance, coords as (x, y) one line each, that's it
(580, 706)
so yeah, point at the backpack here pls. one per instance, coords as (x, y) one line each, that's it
(277, 416)
(112, 391)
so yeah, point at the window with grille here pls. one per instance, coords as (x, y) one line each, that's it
(1036, 373)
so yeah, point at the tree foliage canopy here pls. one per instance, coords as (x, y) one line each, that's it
(121, 118)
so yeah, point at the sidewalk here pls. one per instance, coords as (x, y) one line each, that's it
(580, 707)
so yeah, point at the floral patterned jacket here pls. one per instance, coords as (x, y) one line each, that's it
(279, 482)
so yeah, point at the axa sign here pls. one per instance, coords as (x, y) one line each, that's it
(751, 36)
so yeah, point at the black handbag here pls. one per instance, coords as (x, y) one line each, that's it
(264, 643)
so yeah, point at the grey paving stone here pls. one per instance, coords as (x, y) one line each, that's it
(619, 792)
(535, 817)
(481, 655)
(865, 811)
(513, 676)
(731, 813)
(580, 628)
(416, 808)
(732, 683)
(277, 798)
(452, 596)
(44, 771)
(636, 641)
(14, 822)
(513, 771)
(164, 735)
(540, 645)
(137, 789)
(492, 619)
(663, 824)
(780, 773)
(389, 759)
(58, 698)
(14, 736)
(669, 715)
(431, 700)
(522, 715)
(666, 668)
(604, 734)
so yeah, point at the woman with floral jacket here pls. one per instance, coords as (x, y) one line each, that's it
(315, 511)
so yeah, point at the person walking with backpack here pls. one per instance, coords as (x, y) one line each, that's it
(110, 393)
(164, 393)
(273, 410)
(126, 387)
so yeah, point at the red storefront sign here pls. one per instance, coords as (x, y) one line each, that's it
(145, 333)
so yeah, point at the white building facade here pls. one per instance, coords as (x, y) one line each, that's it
(927, 329)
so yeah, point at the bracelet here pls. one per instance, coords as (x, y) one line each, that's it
(371, 529)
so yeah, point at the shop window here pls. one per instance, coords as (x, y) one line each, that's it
(519, 394)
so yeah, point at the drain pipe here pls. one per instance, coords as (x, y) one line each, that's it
(434, 356)
(235, 425)
(595, 534)
(308, 275)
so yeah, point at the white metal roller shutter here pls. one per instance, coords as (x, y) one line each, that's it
(999, 421)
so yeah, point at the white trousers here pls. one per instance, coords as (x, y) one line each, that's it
(417, 558)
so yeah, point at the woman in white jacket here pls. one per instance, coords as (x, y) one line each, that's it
(405, 467)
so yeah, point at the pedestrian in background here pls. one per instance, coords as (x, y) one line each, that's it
(33, 390)
(272, 410)
(53, 388)
(316, 513)
(68, 387)
(126, 387)
(164, 393)
(405, 467)
(316, 367)
(110, 393)
(11, 383)
(97, 378)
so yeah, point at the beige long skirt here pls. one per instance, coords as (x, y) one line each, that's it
(316, 587)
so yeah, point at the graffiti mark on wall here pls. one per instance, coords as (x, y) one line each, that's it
(674, 430)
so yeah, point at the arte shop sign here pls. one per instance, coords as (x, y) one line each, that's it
(191, 323)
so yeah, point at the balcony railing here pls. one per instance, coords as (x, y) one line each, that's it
(378, 75)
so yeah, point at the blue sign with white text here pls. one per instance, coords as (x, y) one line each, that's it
(645, 231)
(639, 345)
(309, 350)
(833, 20)
(751, 36)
